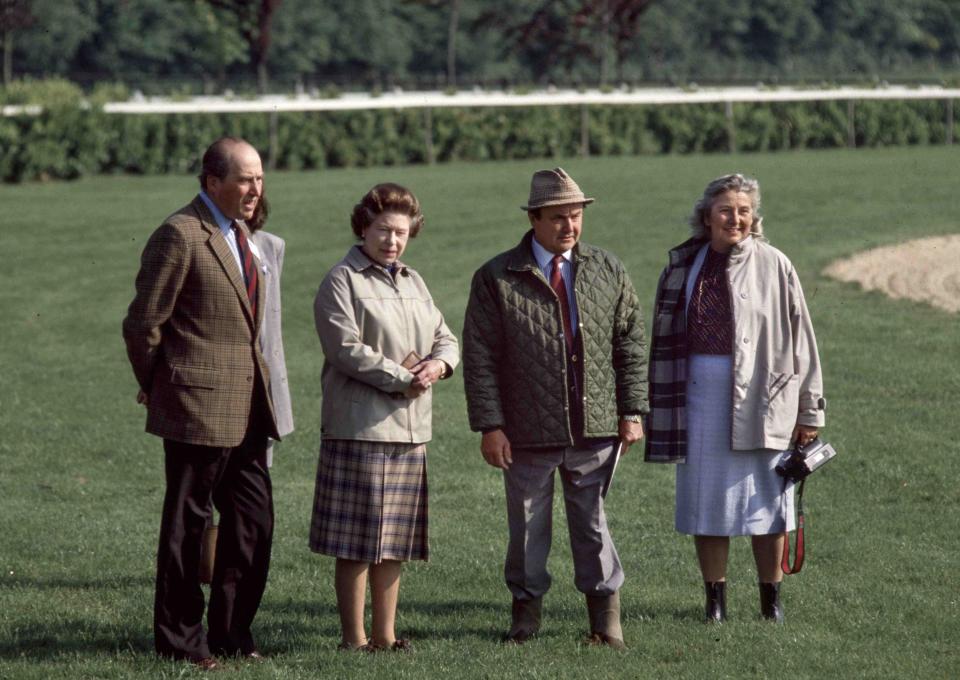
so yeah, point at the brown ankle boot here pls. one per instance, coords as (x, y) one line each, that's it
(604, 613)
(525, 615)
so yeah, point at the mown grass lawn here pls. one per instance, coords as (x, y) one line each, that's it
(81, 484)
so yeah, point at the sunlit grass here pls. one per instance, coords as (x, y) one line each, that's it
(81, 484)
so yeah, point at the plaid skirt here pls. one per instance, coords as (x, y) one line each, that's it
(370, 502)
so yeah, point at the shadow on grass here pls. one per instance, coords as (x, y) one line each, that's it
(452, 617)
(38, 642)
(67, 583)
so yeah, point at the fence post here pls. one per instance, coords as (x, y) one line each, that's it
(584, 131)
(273, 151)
(851, 124)
(731, 127)
(428, 135)
(949, 121)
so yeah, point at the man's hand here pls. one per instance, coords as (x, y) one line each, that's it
(142, 398)
(630, 433)
(495, 448)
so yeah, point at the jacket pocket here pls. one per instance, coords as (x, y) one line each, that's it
(194, 376)
(783, 394)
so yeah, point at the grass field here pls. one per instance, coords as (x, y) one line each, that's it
(81, 484)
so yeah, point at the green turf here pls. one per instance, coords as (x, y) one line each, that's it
(81, 484)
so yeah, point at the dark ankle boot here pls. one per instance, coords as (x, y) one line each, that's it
(770, 607)
(526, 616)
(716, 609)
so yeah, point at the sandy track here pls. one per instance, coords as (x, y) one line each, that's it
(925, 270)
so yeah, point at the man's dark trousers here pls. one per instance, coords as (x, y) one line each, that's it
(238, 482)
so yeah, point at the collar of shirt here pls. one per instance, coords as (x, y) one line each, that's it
(224, 222)
(544, 258)
(226, 228)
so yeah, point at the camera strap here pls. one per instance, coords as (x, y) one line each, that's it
(798, 553)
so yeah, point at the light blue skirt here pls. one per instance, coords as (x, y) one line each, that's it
(721, 492)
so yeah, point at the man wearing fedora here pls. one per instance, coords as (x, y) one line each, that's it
(555, 375)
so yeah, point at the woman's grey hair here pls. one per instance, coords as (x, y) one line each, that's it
(721, 185)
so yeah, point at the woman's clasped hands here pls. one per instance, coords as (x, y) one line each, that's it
(425, 374)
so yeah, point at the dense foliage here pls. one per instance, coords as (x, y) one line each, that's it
(160, 45)
(68, 140)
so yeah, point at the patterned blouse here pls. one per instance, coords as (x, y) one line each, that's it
(709, 317)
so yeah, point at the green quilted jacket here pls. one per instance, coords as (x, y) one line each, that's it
(514, 363)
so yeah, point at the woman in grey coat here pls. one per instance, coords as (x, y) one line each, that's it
(734, 381)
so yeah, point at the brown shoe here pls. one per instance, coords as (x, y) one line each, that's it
(255, 657)
(206, 664)
(604, 613)
(353, 647)
(526, 616)
(399, 645)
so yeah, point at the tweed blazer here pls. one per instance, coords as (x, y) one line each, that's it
(270, 249)
(777, 380)
(191, 335)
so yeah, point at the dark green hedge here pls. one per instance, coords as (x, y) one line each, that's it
(67, 140)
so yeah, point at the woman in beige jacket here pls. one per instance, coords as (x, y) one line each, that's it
(385, 344)
(734, 380)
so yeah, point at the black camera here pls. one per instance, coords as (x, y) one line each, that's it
(799, 463)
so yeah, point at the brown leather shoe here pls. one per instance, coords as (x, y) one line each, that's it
(207, 664)
(526, 616)
(399, 645)
(352, 647)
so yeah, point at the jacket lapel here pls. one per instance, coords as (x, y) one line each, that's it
(221, 250)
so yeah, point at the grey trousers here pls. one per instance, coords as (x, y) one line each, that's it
(529, 487)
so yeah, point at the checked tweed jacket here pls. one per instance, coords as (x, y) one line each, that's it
(514, 358)
(191, 335)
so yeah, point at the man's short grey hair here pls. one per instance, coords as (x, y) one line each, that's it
(721, 185)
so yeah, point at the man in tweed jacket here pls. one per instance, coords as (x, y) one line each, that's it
(191, 337)
(555, 374)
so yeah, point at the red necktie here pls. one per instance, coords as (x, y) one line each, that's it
(249, 267)
(556, 282)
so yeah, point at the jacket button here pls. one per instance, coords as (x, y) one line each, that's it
(746, 341)
(573, 358)
(743, 295)
(249, 379)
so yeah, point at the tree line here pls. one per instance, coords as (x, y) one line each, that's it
(163, 46)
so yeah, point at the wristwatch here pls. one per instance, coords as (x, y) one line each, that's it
(632, 418)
